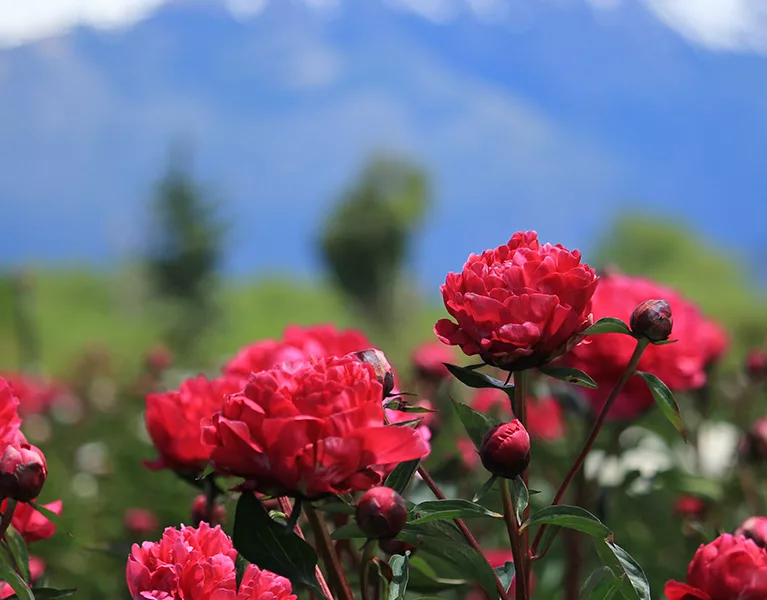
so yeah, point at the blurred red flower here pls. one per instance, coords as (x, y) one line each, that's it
(689, 507)
(727, 568)
(197, 563)
(309, 431)
(519, 305)
(297, 344)
(140, 521)
(35, 395)
(429, 358)
(32, 525)
(679, 365)
(173, 422)
(544, 415)
(10, 423)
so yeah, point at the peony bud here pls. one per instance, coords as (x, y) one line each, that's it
(652, 319)
(381, 513)
(392, 546)
(756, 364)
(689, 507)
(754, 528)
(384, 372)
(200, 514)
(140, 521)
(505, 449)
(22, 472)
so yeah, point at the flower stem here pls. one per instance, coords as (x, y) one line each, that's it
(5, 521)
(432, 485)
(328, 552)
(521, 384)
(286, 508)
(515, 539)
(641, 344)
(367, 555)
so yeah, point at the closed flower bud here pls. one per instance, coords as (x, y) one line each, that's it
(652, 319)
(505, 449)
(756, 364)
(22, 472)
(391, 546)
(200, 513)
(384, 372)
(754, 528)
(381, 513)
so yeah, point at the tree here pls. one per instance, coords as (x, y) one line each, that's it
(368, 235)
(185, 251)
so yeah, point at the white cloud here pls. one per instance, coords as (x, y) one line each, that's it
(245, 9)
(733, 25)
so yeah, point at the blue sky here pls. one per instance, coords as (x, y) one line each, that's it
(545, 114)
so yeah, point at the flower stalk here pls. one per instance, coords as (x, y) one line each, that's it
(515, 539)
(329, 556)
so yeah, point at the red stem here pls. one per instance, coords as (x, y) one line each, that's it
(328, 552)
(521, 380)
(596, 428)
(515, 539)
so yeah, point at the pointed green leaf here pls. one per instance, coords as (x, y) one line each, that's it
(18, 549)
(401, 405)
(602, 584)
(48, 594)
(400, 477)
(13, 579)
(608, 325)
(424, 579)
(271, 546)
(665, 401)
(336, 508)
(486, 487)
(51, 516)
(350, 531)
(475, 379)
(569, 375)
(664, 342)
(633, 582)
(446, 510)
(570, 517)
(400, 571)
(442, 539)
(477, 424)
(506, 574)
(519, 497)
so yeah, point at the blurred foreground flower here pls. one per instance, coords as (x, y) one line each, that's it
(428, 361)
(35, 395)
(729, 568)
(520, 305)
(216, 515)
(754, 528)
(318, 429)
(681, 365)
(197, 563)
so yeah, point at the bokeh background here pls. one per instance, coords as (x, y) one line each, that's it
(180, 178)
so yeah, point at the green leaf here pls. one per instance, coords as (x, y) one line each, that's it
(569, 375)
(608, 325)
(443, 540)
(51, 516)
(271, 546)
(400, 477)
(570, 517)
(18, 549)
(48, 594)
(446, 510)
(664, 342)
(602, 584)
(519, 497)
(402, 405)
(424, 579)
(400, 571)
(336, 508)
(207, 471)
(477, 424)
(13, 579)
(486, 487)
(666, 401)
(349, 531)
(475, 379)
(633, 582)
(506, 574)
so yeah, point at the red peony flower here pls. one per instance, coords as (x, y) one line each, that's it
(544, 415)
(196, 564)
(140, 521)
(520, 305)
(729, 567)
(298, 344)
(10, 423)
(35, 395)
(30, 524)
(429, 358)
(604, 357)
(716, 341)
(173, 422)
(310, 431)
(754, 528)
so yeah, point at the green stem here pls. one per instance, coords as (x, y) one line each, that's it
(521, 384)
(641, 344)
(328, 552)
(515, 539)
(367, 555)
(5, 521)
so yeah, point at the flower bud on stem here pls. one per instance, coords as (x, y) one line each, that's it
(595, 429)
